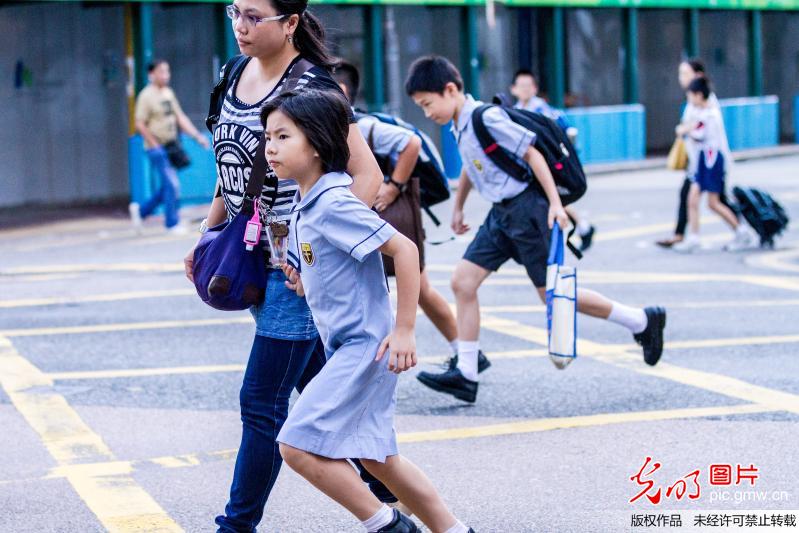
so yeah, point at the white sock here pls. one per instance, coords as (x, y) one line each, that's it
(458, 528)
(631, 318)
(583, 227)
(453, 345)
(381, 518)
(467, 358)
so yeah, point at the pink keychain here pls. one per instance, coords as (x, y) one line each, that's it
(252, 234)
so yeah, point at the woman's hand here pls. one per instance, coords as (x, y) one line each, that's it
(386, 196)
(188, 264)
(401, 344)
(294, 282)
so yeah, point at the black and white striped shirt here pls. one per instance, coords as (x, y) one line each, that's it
(236, 138)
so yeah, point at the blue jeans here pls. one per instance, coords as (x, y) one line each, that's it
(283, 314)
(170, 188)
(275, 368)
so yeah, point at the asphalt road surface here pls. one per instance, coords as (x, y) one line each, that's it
(119, 398)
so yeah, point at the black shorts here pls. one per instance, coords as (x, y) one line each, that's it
(515, 229)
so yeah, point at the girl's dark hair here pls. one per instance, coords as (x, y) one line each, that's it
(700, 85)
(309, 37)
(696, 64)
(323, 116)
(430, 74)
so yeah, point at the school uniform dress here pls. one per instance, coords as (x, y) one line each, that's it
(347, 410)
(516, 227)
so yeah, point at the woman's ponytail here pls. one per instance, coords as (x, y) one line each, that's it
(309, 37)
(310, 41)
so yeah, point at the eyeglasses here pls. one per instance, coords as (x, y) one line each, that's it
(234, 14)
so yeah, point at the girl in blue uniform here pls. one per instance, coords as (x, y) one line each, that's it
(347, 410)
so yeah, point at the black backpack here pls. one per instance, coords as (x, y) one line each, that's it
(229, 72)
(552, 142)
(433, 183)
(762, 212)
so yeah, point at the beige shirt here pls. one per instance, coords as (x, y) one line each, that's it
(158, 109)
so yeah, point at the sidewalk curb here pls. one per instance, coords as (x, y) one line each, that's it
(600, 169)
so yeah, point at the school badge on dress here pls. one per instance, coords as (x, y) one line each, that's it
(478, 165)
(307, 253)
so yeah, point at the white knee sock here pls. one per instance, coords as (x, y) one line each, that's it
(381, 518)
(458, 528)
(453, 345)
(583, 227)
(631, 318)
(467, 358)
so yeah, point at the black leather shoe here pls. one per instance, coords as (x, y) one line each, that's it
(482, 362)
(400, 524)
(451, 382)
(587, 239)
(651, 339)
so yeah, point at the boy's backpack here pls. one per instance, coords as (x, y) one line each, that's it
(762, 212)
(552, 142)
(429, 168)
(229, 72)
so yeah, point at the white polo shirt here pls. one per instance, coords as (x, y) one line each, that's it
(491, 182)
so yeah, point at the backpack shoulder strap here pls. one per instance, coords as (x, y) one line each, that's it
(228, 74)
(297, 71)
(258, 175)
(498, 155)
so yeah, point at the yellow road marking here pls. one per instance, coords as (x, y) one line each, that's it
(112, 494)
(92, 224)
(509, 279)
(38, 278)
(549, 424)
(144, 372)
(129, 237)
(459, 433)
(128, 326)
(782, 260)
(612, 354)
(735, 341)
(94, 267)
(210, 369)
(111, 297)
(639, 231)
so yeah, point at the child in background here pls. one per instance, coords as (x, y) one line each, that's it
(517, 226)
(347, 410)
(525, 89)
(713, 152)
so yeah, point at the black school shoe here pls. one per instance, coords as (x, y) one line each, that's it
(450, 382)
(651, 339)
(400, 524)
(587, 239)
(482, 362)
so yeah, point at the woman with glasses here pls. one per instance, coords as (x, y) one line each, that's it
(275, 36)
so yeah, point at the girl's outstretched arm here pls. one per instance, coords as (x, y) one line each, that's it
(402, 341)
